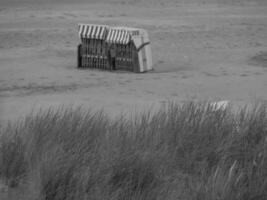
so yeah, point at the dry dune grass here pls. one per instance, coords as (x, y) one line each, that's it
(184, 151)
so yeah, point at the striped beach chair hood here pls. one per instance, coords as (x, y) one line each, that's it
(92, 31)
(118, 36)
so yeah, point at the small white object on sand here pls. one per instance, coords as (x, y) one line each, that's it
(219, 105)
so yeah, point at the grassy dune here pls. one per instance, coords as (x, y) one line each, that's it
(179, 152)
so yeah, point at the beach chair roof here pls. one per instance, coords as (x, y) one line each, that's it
(118, 36)
(114, 35)
(92, 31)
(123, 35)
(132, 31)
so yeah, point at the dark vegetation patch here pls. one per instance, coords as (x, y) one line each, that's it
(32, 89)
(259, 59)
(188, 151)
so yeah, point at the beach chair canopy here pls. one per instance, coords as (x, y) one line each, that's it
(137, 35)
(92, 31)
(118, 36)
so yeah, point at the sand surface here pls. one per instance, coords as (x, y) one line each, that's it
(202, 50)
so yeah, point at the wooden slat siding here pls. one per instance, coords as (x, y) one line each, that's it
(103, 63)
(83, 52)
(124, 55)
(97, 50)
(103, 54)
(97, 61)
(94, 61)
(93, 53)
(99, 53)
(89, 61)
(129, 55)
(101, 66)
(119, 48)
(100, 62)
(86, 46)
(132, 52)
(89, 45)
(91, 49)
(121, 54)
(117, 54)
(88, 52)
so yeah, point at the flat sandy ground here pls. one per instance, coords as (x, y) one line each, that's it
(201, 51)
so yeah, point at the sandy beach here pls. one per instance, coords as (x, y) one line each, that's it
(201, 51)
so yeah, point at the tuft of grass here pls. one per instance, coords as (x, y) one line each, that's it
(188, 151)
(13, 164)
